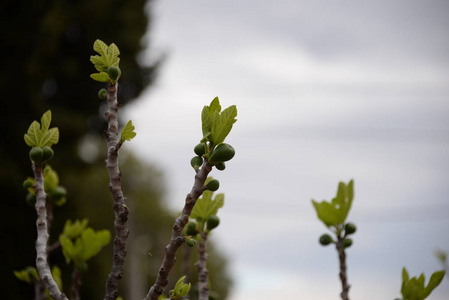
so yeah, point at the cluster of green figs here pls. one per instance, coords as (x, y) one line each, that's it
(349, 228)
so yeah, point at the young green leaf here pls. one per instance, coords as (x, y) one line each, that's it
(206, 206)
(208, 114)
(29, 275)
(108, 57)
(434, 281)
(101, 77)
(128, 132)
(73, 230)
(222, 124)
(38, 136)
(336, 212)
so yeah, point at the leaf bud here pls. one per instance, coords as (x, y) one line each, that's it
(326, 239)
(350, 228)
(196, 162)
(200, 149)
(36, 154)
(213, 185)
(102, 94)
(212, 222)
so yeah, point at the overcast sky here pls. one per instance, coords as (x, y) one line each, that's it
(326, 91)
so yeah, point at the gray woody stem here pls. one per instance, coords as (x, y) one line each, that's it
(120, 208)
(343, 276)
(76, 284)
(42, 236)
(176, 239)
(203, 274)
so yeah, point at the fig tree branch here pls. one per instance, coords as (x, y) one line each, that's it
(42, 236)
(176, 239)
(203, 274)
(343, 276)
(120, 208)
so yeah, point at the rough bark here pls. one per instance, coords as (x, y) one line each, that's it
(176, 239)
(42, 236)
(203, 274)
(120, 208)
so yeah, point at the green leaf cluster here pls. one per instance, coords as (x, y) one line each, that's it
(128, 132)
(216, 124)
(334, 213)
(51, 186)
(414, 289)
(30, 275)
(181, 289)
(80, 243)
(108, 57)
(41, 136)
(206, 206)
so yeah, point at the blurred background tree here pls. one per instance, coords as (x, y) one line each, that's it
(45, 65)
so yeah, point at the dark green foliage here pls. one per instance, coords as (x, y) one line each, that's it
(114, 72)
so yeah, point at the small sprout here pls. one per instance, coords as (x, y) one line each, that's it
(326, 239)
(213, 185)
(114, 72)
(212, 222)
(347, 243)
(47, 153)
(350, 228)
(222, 153)
(200, 149)
(36, 154)
(189, 242)
(102, 94)
(220, 166)
(27, 184)
(30, 199)
(191, 229)
(196, 162)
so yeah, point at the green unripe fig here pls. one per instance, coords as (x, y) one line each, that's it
(200, 149)
(36, 154)
(347, 243)
(196, 162)
(102, 94)
(27, 184)
(58, 193)
(191, 229)
(114, 72)
(220, 166)
(325, 239)
(350, 228)
(30, 199)
(222, 153)
(48, 153)
(190, 242)
(212, 222)
(213, 185)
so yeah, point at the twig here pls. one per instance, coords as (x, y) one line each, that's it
(343, 276)
(120, 208)
(176, 239)
(203, 274)
(42, 236)
(76, 284)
